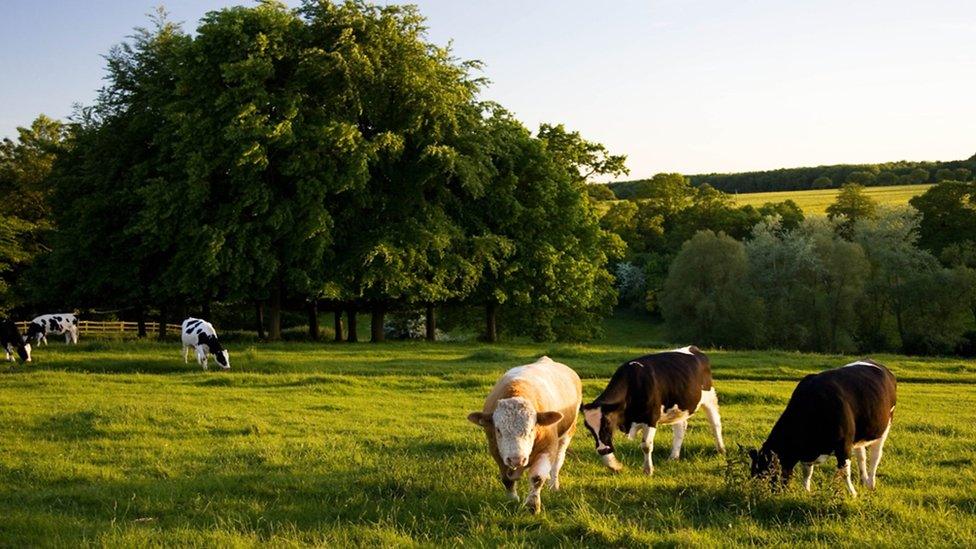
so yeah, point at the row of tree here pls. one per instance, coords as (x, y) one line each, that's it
(823, 177)
(326, 156)
(864, 279)
(664, 212)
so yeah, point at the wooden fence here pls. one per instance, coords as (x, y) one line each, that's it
(111, 327)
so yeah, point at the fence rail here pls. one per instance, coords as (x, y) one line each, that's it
(111, 327)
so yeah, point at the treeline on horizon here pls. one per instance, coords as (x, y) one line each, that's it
(824, 177)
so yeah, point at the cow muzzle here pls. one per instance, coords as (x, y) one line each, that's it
(515, 462)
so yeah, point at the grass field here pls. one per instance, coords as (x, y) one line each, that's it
(114, 443)
(816, 201)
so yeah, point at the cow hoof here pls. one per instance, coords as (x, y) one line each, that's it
(534, 505)
(554, 484)
(648, 470)
(674, 457)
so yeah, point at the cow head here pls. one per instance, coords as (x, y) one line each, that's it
(513, 425)
(24, 351)
(223, 358)
(765, 463)
(34, 331)
(601, 421)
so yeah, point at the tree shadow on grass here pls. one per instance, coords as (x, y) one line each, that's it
(71, 426)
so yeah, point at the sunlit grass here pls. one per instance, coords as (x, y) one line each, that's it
(122, 444)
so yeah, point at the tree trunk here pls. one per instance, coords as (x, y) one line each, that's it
(162, 323)
(337, 324)
(141, 320)
(206, 310)
(353, 336)
(259, 318)
(376, 334)
(491, 327)
(184, 312)
(430, 322)
(313, 319)
(274, 330)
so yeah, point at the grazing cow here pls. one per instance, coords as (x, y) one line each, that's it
(56, 324)
(659, 389)
(834, 413)
(201, 335)
(529, 418)
(12, 341)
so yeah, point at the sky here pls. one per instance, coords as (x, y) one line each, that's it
(690, 86)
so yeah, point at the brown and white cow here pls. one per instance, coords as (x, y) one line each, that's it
(834, 413)
(529, 419)
(658, 389)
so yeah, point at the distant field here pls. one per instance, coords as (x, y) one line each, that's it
(816, 202)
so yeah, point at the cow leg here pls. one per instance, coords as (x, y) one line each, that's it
(560, 459)
(709, 402)
(74, 336)
(807, 475)
(508, 482)
(860, 455)
(186, 354)
(647, 445)
(680, 428)
(10, 357)
(540, 473)
(844, 470)
(875, 458)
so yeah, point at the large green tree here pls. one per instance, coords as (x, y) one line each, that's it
(707, 298)
(551, 281)
(25, 212)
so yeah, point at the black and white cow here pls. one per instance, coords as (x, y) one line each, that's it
(834, 413)
(56, 324)
(13, 342)
(658, 389)
(201, 335)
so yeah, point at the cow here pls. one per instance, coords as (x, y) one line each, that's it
(529, 419)
(834, 413)
(201, 335)
(12, 341)
(56, 324)
(657, 389)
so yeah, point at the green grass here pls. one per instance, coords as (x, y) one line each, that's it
(815, 202)
(121, 444)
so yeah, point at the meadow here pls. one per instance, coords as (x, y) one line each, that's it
(121, 444)
(815, 202)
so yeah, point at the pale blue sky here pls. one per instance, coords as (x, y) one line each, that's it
(677, 85)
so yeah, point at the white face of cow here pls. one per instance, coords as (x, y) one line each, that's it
(514, 423)
(593, 418)
(223, 358)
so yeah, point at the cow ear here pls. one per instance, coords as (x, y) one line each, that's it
(548, 418)
(479, 418)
